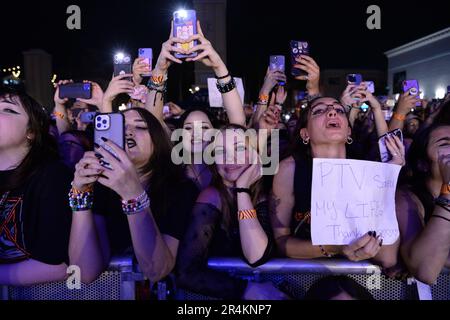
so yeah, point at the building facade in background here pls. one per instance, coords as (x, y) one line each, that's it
(426, 60)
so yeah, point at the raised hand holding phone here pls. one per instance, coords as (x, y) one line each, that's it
(391, 147)
(96, 95)
(166, 56)
(120, 176)
(272, 79)
(312, 70)
(206, 53)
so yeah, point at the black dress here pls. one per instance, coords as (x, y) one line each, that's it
(207, 238)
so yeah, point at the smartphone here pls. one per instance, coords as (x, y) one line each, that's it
(166, 110)
(147, 55)
(185, 26)
(354, 78)
(75, 90)
(364, 107)
(412, 86)
(384, 152)
(112, 127)
(87, 117)
(298, 48)
(277, 63)
(370, 86)
(122, 64)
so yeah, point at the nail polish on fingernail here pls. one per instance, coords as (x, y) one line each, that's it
(96, 145)
(98, 155)
(381, 242)
(374, 234)
(370, 233)
(104, 139)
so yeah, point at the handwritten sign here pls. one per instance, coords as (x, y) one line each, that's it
(350, 198)
(215, 97)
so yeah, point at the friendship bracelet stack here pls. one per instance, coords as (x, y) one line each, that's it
(133, 206)
(81, 200)
(247, 214)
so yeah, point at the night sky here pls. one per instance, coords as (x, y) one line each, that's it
(336, 31)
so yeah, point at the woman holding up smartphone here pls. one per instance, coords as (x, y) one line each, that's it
(229, 219)
(195, 117)
(141, 200)
(323, 131)
(34, 214)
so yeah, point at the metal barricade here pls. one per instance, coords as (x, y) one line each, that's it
(117, 283)
(299, 275)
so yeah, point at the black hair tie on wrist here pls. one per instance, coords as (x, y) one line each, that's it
(221, 78)
(242, 190)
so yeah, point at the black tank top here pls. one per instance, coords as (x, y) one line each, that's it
(301, 215)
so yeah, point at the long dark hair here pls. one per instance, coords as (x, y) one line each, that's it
(165, 176)
(43, 146)
(228, 203)
(417, 161)
(298, 148)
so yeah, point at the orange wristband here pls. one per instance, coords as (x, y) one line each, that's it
(59, 115)
(399, 117)
(263, 99)
(445, 189)
(247, 214)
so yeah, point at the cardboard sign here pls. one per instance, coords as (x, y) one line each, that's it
(350, 198)
(215, 97)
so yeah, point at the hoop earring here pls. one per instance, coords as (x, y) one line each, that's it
(349, 140)
(306, 141)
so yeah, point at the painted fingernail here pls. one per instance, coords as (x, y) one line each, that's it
(374, 234)
(104, 139)
(96, 145)
(381, 242)
(98, 155)
(370, 233)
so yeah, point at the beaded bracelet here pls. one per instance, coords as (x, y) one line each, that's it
(247, 214)
(81, 200)
(133, 206)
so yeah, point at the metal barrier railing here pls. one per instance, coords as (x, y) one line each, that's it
(119, 282)
(299, 275)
